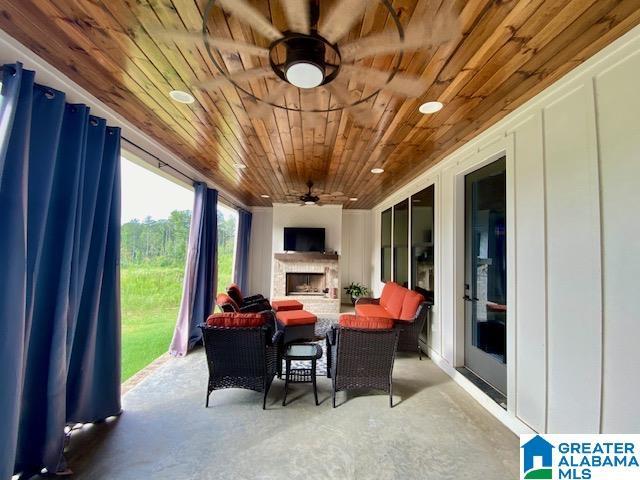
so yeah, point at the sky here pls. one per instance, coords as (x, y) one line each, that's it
(145, 193)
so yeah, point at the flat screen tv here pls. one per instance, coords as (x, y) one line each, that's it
(304, 239)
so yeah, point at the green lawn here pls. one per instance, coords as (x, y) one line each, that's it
(150, 303)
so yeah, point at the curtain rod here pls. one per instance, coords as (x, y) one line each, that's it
(162, 164)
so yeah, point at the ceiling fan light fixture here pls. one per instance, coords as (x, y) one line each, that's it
(305, 75)
(377, 170)
(181, 97)
(430, 107)
(309, 202)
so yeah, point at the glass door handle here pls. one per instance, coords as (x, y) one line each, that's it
(469, 299)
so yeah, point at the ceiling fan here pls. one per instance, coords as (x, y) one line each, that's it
(311, 198)
(313, 58)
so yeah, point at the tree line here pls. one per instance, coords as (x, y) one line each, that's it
(164, 242)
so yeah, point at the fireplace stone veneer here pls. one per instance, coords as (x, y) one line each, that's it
(308, 264)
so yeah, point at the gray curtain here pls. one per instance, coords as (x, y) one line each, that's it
(59, 274)
(200, 276)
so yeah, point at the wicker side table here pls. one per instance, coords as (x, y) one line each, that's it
(301, 352)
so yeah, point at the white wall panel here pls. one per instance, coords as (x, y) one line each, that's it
(260, 251)
(355, 263)
(573, 255)
(530, 282)
(618, 108)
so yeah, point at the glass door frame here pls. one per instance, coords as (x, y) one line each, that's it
(503, 147)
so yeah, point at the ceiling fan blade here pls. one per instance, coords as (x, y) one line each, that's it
(297, 12)
(224, 44)
(419, 34)
(251, 74)
(263, 109)
(358, 112)
(401, 84)
(247, 13)
(341, 18)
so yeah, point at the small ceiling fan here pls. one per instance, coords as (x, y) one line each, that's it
(313, 57)
(317, 198)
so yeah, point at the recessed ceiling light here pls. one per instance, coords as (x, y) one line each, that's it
(181, 97)
(240, 165)
(377, 170)
(353, 199)
(265, 196)
(430, 107)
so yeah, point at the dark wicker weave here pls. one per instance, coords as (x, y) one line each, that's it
(248, 308)
(240, 358)
(410, 331)
(361, 359)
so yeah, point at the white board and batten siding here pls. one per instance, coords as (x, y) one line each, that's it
(573, 173)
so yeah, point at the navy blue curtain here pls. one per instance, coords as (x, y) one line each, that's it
(200, 273)
(241, 268)
(59, 273)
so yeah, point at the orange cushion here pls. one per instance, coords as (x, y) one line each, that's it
(394, 305)
(235, 293)
(412, 301)
(296, 317)
(387, 291)
(236, 320)
(365, 323)
(369, 310)
(285, 305)
(223, 298)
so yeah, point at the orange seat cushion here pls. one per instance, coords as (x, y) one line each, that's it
(286, 305)
(370, 310)
(236, 320)
(412, 301)
(223, 298)
(394, 304)
(296, 317)
(365, 323)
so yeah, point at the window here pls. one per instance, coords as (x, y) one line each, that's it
(385, 246)
(156, 215)
(422, 235)
(401, 243)
(227, 235)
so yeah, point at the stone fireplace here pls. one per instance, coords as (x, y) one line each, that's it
(312, 278)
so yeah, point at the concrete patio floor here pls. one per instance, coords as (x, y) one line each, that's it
(435, 431)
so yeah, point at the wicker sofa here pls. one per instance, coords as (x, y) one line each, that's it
(227, 304)
(407, 308)
(241, 351)
(360, 354)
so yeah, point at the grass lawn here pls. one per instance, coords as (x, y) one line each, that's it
(150, 303)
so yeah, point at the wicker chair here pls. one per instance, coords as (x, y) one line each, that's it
(227, 304)
(236, 295)
(241, 358)
(361, 359)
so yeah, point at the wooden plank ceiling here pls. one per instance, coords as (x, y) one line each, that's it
(503, 52)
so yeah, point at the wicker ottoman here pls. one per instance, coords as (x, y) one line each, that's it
(298, 326)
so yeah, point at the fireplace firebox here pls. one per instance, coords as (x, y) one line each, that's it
(309, 284)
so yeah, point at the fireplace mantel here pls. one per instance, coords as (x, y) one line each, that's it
(305, 256)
